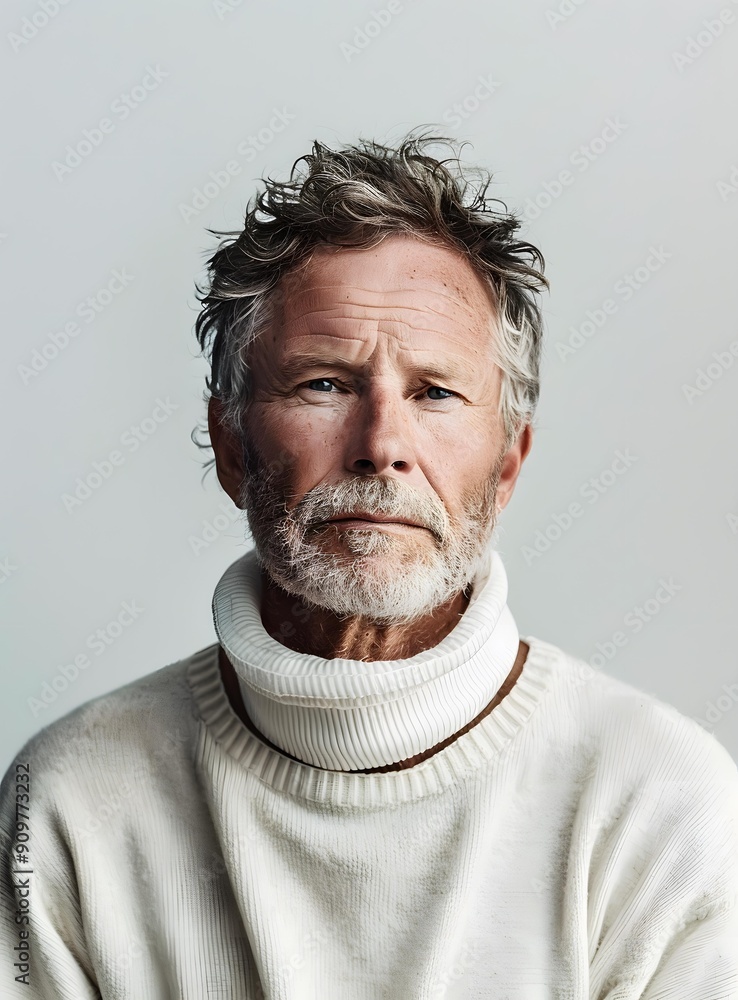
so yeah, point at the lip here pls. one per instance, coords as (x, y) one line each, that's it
(372, 518)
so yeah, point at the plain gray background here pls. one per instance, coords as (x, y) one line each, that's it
(648, 89)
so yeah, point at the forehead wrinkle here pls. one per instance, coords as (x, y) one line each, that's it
(374, 337)
(309, 344)
(351, 328)
(349, 317)
(341, 324)
(381, 300)
(306, 353)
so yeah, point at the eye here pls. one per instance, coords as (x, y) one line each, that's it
(437, 388)
(319, 384)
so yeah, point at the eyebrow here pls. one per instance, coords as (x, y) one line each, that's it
(298, 364)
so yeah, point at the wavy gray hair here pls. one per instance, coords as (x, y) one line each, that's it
(355, 197)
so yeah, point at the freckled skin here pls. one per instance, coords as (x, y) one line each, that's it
(359, 307)
(378, 362)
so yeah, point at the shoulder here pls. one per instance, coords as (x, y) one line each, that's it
(629, 730)
(117, 736)
(651, 785)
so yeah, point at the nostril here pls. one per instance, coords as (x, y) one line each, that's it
(398, 465)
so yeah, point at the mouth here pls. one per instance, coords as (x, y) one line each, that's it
(360, 519)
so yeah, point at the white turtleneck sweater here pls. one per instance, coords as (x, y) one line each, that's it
(348, 715)
(579, 843)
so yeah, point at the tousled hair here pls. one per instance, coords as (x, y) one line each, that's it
(355, 196)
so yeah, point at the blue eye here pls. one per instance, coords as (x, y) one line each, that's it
(318, 381)
(437, 388)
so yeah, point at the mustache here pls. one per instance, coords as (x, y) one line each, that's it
(380, 495)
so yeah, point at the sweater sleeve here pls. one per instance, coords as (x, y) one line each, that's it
(702, 961)
(663, 896)
(43, 949)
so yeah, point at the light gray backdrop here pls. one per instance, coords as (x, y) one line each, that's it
(135, 126)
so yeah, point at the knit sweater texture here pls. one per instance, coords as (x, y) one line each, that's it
(349, 715)
(579, 843)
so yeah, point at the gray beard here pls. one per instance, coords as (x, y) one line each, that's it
(385, 577)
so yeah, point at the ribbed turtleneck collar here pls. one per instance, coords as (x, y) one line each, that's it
(349, 715)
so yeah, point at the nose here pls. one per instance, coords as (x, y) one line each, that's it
(381, 438)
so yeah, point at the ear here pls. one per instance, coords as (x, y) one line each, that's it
(511, 465)
(228, 452)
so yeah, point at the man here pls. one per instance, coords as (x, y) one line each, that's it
(372, 786)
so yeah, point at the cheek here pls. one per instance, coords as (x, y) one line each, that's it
(305, 446)
(458, 461)
(467, 446)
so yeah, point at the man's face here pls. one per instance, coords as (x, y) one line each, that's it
(375, 395)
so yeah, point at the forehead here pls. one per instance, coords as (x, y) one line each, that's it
(403, 281)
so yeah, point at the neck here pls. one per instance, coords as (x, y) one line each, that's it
(309, 629)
